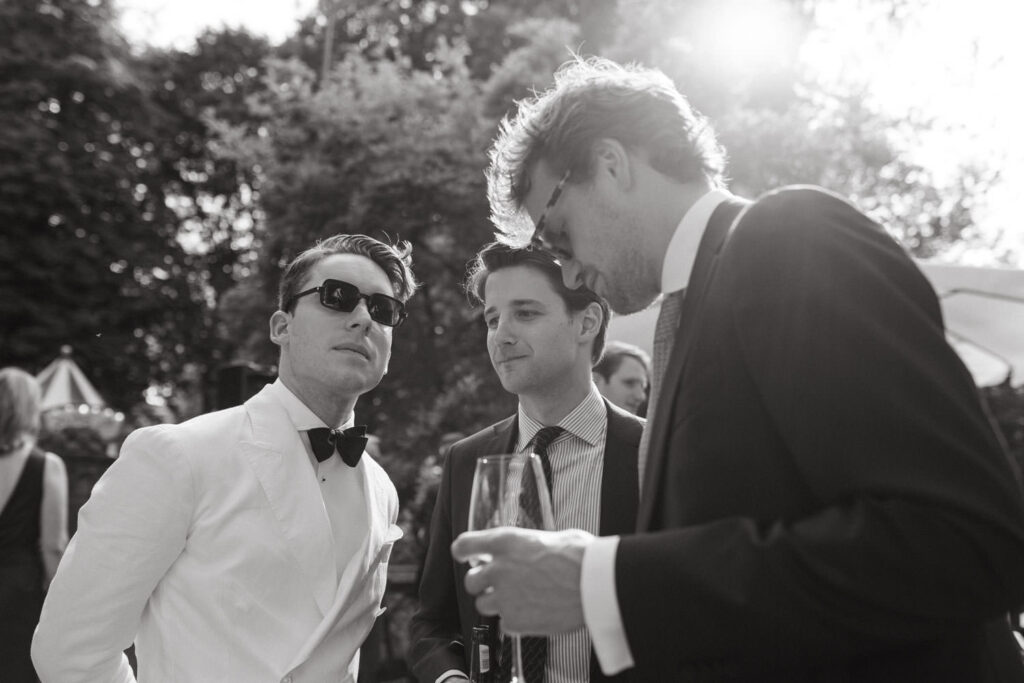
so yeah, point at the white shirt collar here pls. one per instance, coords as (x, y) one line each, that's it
(586, 420)
(682, 249)
(301, 416)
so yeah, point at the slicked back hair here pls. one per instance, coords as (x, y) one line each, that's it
(395, 260)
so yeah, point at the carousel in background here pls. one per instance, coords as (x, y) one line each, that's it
(79, 426)
(71, 405)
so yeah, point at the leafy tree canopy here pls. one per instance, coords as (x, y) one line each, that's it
(149, 200)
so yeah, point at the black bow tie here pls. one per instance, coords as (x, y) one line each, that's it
(350, 443)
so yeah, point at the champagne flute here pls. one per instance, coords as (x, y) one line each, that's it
(510, 490)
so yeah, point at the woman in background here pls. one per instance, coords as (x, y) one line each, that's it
(33, 521)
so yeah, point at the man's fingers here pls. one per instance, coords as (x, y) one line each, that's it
(487, 604)
(476, 544)
(467, 545)
(477, 579)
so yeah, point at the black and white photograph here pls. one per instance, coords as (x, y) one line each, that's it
(511, 341)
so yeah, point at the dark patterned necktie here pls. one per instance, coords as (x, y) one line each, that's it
(664, 337)
(350, 443)
(534, 649)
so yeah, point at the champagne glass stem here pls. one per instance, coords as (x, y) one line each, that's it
(517, 661)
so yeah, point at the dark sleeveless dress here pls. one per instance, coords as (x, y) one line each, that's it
(21, 572)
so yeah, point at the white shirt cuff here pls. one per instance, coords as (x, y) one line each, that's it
(448, 675)
(601, 606)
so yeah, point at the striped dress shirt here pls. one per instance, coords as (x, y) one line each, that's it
(577, 463)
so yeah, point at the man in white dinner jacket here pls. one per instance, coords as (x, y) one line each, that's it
(249, 544)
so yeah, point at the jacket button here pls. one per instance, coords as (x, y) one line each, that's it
(286, 679)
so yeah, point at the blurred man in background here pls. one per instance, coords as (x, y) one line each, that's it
(623, 376)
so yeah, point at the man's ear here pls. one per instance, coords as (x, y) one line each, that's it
(279, 322)
(591, 319)
(612, 159)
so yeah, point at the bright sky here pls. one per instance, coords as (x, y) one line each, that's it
(959, 61)
(177, 22)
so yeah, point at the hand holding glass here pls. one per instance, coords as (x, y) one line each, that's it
(510, 490)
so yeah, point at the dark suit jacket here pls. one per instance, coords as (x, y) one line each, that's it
(824, 498)
(447, 614)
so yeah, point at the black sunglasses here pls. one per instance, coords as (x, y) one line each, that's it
(537, 240)
(343, 296)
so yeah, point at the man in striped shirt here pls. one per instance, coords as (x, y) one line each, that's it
(543, 340)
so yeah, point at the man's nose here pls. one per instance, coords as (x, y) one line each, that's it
(503, 333)
(360, 315)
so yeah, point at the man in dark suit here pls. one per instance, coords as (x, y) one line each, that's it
(543, 339)
(823, 499)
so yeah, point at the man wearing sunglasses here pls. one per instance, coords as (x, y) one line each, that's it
(823, 497)
(543, 339)
(249, 544)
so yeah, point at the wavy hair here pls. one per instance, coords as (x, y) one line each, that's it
(592, 99)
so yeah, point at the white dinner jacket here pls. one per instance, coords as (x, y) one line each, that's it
(208, 544)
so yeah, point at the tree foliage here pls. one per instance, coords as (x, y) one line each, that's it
(89, 246)
(150, 199)
(212, 198)
(781, 125)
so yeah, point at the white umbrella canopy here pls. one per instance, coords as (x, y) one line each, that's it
(63, 383)
(983, 309)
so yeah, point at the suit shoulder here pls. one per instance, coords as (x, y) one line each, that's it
(797, 232)
(800, 216)
(626, 425)
(477, 444)
(195, 434)
(798, 198)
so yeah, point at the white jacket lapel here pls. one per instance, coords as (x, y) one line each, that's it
(357, 593)
(278, 459)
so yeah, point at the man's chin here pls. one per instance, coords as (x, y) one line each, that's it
(354, 383)
(510, 382)
(628, 305)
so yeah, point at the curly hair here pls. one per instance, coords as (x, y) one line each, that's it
(593, 99)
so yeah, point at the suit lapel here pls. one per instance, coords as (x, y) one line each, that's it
(502, 439)
(278, 459)
(619, 484)
(354, 585)
(711, 243)
(379, 521)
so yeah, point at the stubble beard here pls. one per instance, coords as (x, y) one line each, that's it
(632, 282)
